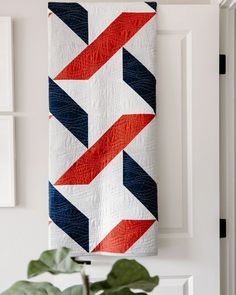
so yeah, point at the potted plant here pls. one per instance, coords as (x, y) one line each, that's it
(125, 277)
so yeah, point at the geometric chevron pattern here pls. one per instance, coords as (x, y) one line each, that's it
(102, 152)
(102, 102)
(96, 54)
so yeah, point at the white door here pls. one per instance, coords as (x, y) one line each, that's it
(188, 154)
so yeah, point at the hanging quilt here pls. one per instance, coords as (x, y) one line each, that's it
(102, 101)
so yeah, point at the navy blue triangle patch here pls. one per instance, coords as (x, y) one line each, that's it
(66, 216)
(153, 5)
(68, 112)
(74, 16)
(139, 78)
(140, 184)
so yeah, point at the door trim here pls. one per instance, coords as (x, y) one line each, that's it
(229, 4)
(227, 146)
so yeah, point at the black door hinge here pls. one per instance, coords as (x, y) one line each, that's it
(222, 228)
(222, 64)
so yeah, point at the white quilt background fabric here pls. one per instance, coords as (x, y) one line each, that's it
(102, 92)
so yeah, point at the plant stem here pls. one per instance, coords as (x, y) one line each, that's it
(85, 280)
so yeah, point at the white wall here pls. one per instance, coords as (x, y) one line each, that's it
(23, 230)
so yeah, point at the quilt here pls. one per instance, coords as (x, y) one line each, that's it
(102, 126)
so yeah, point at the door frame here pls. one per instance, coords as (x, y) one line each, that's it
(227, 145)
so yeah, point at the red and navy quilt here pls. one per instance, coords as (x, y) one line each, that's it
(102, 101)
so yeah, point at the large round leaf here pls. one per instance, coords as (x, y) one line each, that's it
(126, 274)
(55, 262)
(74, 290)
(29, 288)
(44, 288)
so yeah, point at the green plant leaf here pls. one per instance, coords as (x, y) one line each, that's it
(126, 274)
(29, 288)
(74, 290)
(55, 262)
(44, 288)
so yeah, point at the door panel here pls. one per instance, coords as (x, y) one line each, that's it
(174, 130)
(181, 285)
(187, 154)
